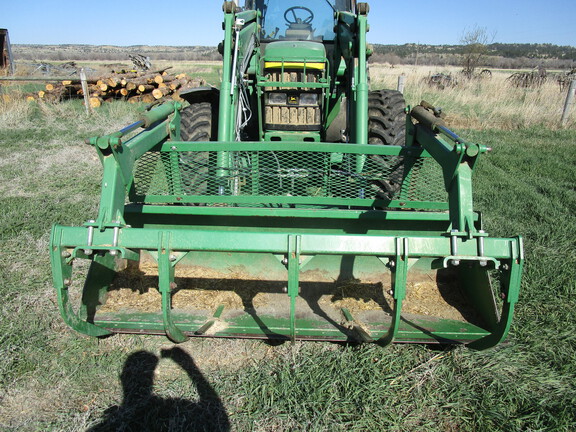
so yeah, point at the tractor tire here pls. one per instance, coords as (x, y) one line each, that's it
(196, 122)
(386, 117)
(387, 126)
(196, 125)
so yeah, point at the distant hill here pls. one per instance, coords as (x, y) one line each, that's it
(499, 54)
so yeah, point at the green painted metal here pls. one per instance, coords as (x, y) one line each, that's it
(296, 51)
(287, 215)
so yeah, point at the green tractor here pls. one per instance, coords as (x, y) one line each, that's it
(290, 203)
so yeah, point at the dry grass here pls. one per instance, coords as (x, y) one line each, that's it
(483, 103)
(488, 103)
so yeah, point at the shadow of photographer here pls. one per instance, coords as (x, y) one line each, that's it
(142, 410)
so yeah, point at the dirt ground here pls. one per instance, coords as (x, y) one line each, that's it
(200, 288)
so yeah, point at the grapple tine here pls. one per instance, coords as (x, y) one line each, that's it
(61, 261)
(166, 284)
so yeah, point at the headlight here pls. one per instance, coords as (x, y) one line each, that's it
(309, 99)
(277, 98)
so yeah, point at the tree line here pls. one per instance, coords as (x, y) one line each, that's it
(494, 55)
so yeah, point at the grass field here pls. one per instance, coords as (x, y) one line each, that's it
(54, 379)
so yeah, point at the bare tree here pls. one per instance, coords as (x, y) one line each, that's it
(475, 47)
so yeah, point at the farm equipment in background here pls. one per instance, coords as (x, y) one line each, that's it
(6, 58)
(292, 203)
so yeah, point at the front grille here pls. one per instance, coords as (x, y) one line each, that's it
(293, 116)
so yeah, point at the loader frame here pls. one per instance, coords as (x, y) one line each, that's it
(290, 203)
(449, 234)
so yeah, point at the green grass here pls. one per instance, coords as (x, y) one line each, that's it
(54, 379)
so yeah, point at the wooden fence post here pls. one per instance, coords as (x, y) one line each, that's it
(401, 82)
(85, 91)
(569, 102)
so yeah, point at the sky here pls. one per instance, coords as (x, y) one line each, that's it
(197, 22)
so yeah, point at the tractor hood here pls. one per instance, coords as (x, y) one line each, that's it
(290, 51)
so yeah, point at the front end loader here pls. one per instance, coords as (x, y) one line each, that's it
(291, 203)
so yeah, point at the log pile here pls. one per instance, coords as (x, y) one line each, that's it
(134, 87)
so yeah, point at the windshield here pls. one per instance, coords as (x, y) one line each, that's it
(298, 19)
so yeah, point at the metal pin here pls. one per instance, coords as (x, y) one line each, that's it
(115, 238)
(90, 235)
(89, 251)
(481, 244)
(483, 263)
(454, 242)
(90, 238)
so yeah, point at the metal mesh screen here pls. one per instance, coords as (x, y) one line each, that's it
(305, 177)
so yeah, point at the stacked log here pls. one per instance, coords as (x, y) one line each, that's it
(147, 87)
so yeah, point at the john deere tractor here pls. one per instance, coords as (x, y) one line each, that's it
(292, 202)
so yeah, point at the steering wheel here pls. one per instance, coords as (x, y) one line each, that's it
(297, 20)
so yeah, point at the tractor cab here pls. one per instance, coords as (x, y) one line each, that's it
(292, 20)
(297, 67)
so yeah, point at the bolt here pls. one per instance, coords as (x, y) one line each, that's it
(66, 254)
(173, 147)
(503, 296)
(67, 282)
(483, 263)
(391, 263)
(173, 258)
(88, 251)
(285, 289)
(285, 261)
(455, 263)
(391, 292)
(113, 252)
(173, 285)
(505, 267)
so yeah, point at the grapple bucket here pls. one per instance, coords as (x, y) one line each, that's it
(287, 240)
